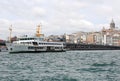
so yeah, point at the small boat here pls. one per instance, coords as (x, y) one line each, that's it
(3, 49)
(34, 44)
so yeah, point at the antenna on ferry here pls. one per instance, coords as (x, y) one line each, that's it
(10, 29)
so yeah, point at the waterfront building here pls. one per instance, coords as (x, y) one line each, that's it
(91, 38)
(55, 38)
(111, 36)
(94, 38)
(78, 37)
(83, 37)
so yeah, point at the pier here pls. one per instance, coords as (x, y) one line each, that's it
(71, 46)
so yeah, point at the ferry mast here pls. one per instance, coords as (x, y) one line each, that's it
(10, 29)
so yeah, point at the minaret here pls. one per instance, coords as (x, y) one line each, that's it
(112, 24)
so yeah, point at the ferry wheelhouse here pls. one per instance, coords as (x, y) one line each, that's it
(34, 44)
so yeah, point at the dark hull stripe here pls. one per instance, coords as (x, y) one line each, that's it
(36, 51)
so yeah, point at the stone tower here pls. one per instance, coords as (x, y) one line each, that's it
(112, 24)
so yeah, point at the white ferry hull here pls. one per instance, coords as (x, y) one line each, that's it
(19, 48)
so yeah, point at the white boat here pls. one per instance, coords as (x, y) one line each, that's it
(34, 44)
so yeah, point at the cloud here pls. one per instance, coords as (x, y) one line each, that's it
(37, 11)
(81, 25)
(104, 10)
(57, 16)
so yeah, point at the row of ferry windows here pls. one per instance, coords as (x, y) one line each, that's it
(31, 39)
(49, 44)
(26, 43)
(42, 47)
(41, 43)
(35, 47)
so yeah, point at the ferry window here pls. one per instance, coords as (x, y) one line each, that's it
(40, 38)
(22, 39)
(30, 47)
(35, 43)
(56, 47)
(10, 48)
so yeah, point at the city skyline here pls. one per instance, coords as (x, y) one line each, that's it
(56, 16)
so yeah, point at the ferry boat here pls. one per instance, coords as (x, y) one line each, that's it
(35, 44)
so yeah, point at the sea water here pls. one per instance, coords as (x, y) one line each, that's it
(61, 66)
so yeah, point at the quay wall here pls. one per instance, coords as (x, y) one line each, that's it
(70, 46)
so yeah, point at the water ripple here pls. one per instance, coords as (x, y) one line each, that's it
(61, 66)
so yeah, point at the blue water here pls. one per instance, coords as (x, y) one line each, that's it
(61, 66)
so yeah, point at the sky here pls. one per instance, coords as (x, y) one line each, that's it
(56, 16)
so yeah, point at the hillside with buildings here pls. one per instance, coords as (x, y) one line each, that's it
(110, 36)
